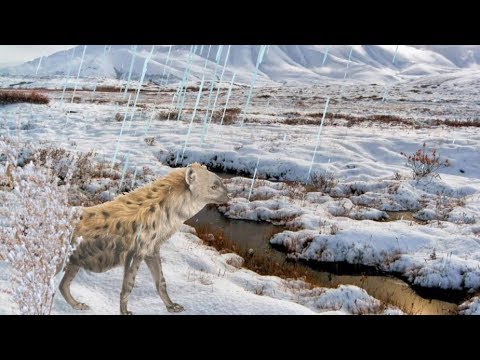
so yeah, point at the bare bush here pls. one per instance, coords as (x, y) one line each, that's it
(150, 141)
(333, 229)
(321, 182)
(424, 164)
(119, 117)
(36, 237)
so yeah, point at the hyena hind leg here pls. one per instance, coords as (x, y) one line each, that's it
(154, 263)
(70, 273)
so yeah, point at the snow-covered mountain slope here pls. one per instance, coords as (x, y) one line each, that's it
(287, 64)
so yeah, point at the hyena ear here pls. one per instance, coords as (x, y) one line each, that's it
(190, 175)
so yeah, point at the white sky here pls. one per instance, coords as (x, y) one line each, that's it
(17, 54)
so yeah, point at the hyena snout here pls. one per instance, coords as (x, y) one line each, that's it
(223, 197)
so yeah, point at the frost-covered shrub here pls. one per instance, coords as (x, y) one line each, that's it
(324, 182)
(424, 164)
(35, 236)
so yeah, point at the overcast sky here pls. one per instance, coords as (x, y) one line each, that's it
(17, 54)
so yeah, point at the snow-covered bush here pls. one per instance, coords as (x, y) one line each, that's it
(424, 164)
(35, 237)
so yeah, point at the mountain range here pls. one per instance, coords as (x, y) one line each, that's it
(282, 64)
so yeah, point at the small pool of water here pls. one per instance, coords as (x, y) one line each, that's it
(391, 290)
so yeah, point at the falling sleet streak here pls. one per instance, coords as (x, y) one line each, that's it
(259, 60)
(78, 74)
(228, 97)
(394, 56)
(387, 87)
(218, 87)
(94, 88)
(165, 66)
(68, 73)
(193, 117)
(39, 63)
(171, 107)
(105, 48)
(147, 127)
(326, 54)
(134, 177)
(205, 119)
(206, 58)
(185, 89)
(348, 63)
(318, 141)
(121, 131)
(217, 61)
(123, 171)
(134, 54)
(253, 179)
(140, 83)
(180, 85)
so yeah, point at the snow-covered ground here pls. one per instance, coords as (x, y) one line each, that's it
(345, 221)
(204, 282)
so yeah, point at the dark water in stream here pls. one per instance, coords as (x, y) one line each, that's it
(255, 235)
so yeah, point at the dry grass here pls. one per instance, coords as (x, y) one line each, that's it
(231, 116)
(107, 89)
(321, 182)
(300, 121)
(197, 88)
(261, 263)
(150, 141)
(456, 123)
(168, 115)
(59, 160)
(391, 120)
(17, 96)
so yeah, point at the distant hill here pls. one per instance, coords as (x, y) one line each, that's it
(287, 64)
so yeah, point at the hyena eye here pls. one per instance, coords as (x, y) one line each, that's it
(214, 187)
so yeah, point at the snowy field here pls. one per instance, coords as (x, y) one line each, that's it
(204, 282)
(349, 216)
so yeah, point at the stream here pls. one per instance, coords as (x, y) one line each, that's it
(388, 289)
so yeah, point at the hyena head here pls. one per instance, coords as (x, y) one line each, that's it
(207, 187)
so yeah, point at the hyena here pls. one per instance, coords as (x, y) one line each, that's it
(132, 227)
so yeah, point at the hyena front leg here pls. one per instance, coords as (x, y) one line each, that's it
(132, 264)
(70, 273)
(155, 265)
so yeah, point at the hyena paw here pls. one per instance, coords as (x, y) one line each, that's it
(127, 312)
(81, 306)
(175, 308)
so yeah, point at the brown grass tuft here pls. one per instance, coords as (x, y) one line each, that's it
(168, 114)
(18, 96)
(231, 116)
